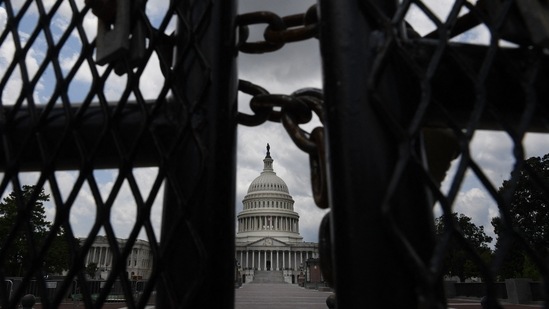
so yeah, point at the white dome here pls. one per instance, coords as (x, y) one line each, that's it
(268, 181)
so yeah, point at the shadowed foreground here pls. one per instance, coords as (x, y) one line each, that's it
(289, 296)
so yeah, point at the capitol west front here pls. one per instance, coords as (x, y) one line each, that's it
(267, 237)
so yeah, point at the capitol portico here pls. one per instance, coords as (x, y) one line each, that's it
(267, 237)
(139, 262)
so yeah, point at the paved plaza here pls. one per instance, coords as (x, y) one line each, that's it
(475, 304)
(291, 296)
(278, 296)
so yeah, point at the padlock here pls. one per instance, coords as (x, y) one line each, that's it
(121, 41)
(112, 40)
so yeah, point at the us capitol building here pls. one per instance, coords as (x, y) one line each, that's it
(267, 237)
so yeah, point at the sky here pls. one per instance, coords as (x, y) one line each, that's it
(296, 66)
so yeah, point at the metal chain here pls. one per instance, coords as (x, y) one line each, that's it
(279, 30)
(294, 109)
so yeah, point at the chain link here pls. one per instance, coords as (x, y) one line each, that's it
(279, 30)
(293, 110)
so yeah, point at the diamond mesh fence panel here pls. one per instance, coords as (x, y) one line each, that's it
(105, 105)
(410, 86)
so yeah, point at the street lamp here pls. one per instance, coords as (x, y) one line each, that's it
(307, 279)
(301, 280)
(237, 276)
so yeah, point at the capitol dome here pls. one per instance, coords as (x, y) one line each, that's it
(268, 208)
(267, 235)
(268, 180)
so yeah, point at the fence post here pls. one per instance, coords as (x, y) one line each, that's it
(372, 267)
(197, 237)
(519, 290)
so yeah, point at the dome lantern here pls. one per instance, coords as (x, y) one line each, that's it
(268, 180)
(268, 161)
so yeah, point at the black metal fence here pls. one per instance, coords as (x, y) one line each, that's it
(102, 88)
(154, 85)
(384, 84)
(74, 295)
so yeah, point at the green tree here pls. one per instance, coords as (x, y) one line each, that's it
(91, 270)
(528, 191)
(16, 255)
(458, 261)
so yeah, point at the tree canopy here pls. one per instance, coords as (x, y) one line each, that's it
(458, 261)
(16, 245)
(91, 270)
(528, 192)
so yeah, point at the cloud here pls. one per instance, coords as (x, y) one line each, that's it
(479, 35)
(123, 212)
(423, 25)
(493, 153)
(479, 205)
(84, 209)
(32, 61)
(295, 66)
(3, 18)
(90, 27)
(535, 145)
(68, 61)
(7, 50)
(421, 22)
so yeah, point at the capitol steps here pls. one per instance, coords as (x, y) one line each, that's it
(265, 276)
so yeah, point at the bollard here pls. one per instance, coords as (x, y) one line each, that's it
(28, 301)
(484, 302)
(331, 301)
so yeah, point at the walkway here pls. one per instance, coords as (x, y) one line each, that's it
(475, 304)
(278, 296)
(291, 296)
